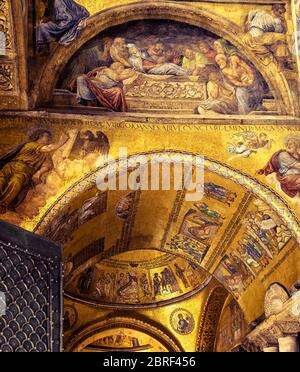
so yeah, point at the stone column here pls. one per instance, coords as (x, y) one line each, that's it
(288, 344)
(271, 349)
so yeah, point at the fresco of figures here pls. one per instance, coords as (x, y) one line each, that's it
(261, 237)
(36, 169)
(62, 228)
(161, 61)
(248, 144)
(136, 283)
(197, 231)
(58, 21)
(182, 321)
(266, 35)
(285, 166)
(201, 224)
(282, 169)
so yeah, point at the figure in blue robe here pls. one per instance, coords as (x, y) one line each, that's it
(65, 26)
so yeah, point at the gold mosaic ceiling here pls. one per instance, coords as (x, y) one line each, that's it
(141, 248)
(140, 279)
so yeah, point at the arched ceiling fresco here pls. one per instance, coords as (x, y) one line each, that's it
(233, 223)
(138, 279)
(231, 233)
(222, 143)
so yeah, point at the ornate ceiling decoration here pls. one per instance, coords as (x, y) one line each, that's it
(230, 232)
(139, 281)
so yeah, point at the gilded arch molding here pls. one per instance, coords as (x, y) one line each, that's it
(210, 320)
(13, 68)
(89, 334)
(265, 193)
(187, 13)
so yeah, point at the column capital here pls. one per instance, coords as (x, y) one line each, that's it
(283, 326)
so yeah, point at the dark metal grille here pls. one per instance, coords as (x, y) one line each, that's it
(30, 280)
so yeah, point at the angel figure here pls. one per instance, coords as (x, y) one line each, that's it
(25, 166)
(245, 144)
(87, 143)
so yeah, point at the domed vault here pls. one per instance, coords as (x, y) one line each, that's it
(150, 248)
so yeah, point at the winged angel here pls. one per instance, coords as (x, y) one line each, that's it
(37, 168)
(246, 143)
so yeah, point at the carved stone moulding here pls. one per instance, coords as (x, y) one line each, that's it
(9, 97)
(135, 103)
(275, 298)
(283, 318)
(147, 105)
(5, 23)
(266, 337)
(180, 89)
(290, 327)
(8, 88)
(7, 78)
(181, 95)
(9, 92)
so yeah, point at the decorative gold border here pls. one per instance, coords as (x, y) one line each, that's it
(210, 319)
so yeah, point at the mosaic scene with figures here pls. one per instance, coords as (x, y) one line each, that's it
(161, 62)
